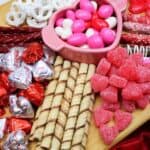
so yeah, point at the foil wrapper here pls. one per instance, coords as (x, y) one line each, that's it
(20, 50)
(21, 78)
(2, 127)
(42, 71)
(20, 107)
(49, 55)
(10, 61)
(16, 140)
(30, 67)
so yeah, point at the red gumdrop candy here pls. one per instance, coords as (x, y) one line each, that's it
(103, 67)
(123, 119)
(142, 103)
(132, 92)
(113, 70)
(128, 106)
(99, 24)
(102, 116)
(137, 57)
(117, 81)
(99, 82)
(15, 124)
(117, 56)
(110, 106)
(108, 134)
(2, 112)
(129, 70)
(145, 87)
(110, 94)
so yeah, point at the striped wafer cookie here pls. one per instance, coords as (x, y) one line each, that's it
(65, 106)
(45, 108)
(84, 113)
(35, 123)
(75, 105)
(56, 103)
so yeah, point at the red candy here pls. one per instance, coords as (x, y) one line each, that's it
(110, 106)
(145, 87)
(132, 92)
(102, 116)
(103, 66)
(15, 124)
(99, 82)
(117, 81)
(117, 56)
(142, 103)
(33, 53)
(108, 133)
(2, 111)
(123, 119)
(110, 94)
(128, 106)
(34, 93)
(99, 24)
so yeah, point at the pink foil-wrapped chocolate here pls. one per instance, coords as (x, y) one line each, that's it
(16, 140)
(10, 61)
(2, 127)
(20, 107)
(21, 78)
(42, 70)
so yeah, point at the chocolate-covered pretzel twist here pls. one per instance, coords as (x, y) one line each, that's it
(75, 105)
(84, 116)
(65, 106)
(46, 106)
(55, 108)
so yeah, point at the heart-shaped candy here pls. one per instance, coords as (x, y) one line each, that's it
(20, 107)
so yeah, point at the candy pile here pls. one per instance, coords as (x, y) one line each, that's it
(124, 83)
(22, 76)
(89, 25)
(34, 12)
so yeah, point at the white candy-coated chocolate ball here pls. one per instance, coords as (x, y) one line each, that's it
(66, 34)
(112, 22)
(67, 23)
(95, 5)
(89, 32)
(59, 31)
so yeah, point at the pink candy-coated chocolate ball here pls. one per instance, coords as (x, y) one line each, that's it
(59, 21)
(77, 39)
(70, 14)
(86, 5)
(83, 14)
(95, 41)
(78, 26)
(108, 35)
(105, 11)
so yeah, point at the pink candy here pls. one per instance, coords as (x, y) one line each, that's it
(77, 39)
(83, 14)
(76, 32)
(71, 15)
(78, 26)
(108, 35)
(105, 11)
(95, 41)
(86, 5)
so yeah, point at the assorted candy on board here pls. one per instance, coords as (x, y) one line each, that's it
(90, 25)
(122, 81)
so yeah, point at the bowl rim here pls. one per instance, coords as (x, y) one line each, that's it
(64, 44)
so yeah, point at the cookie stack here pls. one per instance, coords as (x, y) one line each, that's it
(63, 119)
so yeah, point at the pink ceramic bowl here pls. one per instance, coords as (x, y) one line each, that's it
(70, 52)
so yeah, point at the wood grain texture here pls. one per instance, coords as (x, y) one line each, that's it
(94, 140)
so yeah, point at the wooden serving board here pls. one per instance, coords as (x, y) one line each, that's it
(94, 140)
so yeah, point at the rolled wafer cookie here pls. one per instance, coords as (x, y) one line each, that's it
(53, 115)
(34, 124)
(75, 105)
(65, 105)
(45, 108)
(84, 112)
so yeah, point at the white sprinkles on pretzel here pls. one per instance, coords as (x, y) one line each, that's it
(34, 12)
